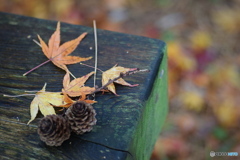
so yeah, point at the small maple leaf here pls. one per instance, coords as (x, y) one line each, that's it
(68, 101)
(76, 87)
(59, 55)
(44, 101)
(114, 72)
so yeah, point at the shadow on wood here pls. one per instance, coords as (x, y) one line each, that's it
(127, 125)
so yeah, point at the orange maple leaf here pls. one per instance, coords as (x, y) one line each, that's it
(115, 72)
(76, 87)
(68, 101)
(59, 54)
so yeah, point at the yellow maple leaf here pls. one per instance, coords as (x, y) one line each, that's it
(44, 101)
(114, 72)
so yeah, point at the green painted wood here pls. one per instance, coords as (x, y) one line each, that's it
(127, 123)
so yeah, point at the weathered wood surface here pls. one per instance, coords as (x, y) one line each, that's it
(129, 122)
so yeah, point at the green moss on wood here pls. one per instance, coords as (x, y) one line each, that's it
(153, 117)
(123, 121)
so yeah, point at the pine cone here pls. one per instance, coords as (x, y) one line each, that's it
(81, 117)
(54, 129)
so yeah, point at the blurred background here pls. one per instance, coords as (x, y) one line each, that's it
(204, 62)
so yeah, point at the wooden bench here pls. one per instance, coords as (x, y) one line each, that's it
(127, 125)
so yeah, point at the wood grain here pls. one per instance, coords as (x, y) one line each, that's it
(118, 117)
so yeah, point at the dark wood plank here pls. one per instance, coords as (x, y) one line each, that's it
(124, 122)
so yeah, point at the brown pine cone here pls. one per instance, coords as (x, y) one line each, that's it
(81, 117)
(54, 129)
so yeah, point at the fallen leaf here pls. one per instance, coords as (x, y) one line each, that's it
(178, 59)
(227, 113)
(186, 123)
(76, 87)
(192, 100)
(59, 54)
(200, 40)
(70, 101)
(227, 19)
(173, 145)
(44, 101)
(222, 73)
(115, 72)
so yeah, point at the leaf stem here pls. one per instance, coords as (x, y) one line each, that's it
(30, 91)
(36, 67)
(71, 74)
(37, 42)
(21, 95)
(90, 66)
(50, 59)
(120, 76)
(43, 62)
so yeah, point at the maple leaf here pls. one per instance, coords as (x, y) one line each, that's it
(68, 101)
(44, 101)
(114, 72)
(59, 55)
(76, 87)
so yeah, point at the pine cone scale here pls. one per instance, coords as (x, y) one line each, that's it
(81, 117)
(53, 130)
